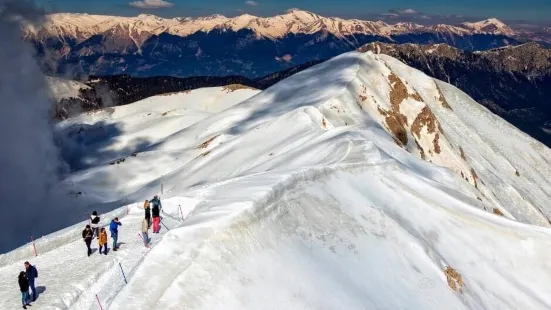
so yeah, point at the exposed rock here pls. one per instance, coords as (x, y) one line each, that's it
(475, 177)
(498, 212)
(455, 280)
(462, 153)
(512, 82)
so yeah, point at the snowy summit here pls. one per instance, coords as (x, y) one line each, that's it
(82, 26)
(359, 183)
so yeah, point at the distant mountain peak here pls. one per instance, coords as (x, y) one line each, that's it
(491, 25)
(294, 21)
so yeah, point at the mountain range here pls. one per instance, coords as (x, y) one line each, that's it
(147, 45)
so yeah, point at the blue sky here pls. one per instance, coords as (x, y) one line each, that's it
(427, 10)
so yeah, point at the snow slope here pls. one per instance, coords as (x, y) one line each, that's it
(359, 183)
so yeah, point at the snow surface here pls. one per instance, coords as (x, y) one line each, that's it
(299, 197)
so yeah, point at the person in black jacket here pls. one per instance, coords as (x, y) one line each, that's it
(24, 288)
(156, 214)
(94, 220)
(88, 235)
(146, 206)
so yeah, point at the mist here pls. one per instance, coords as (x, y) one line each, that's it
(30, 166)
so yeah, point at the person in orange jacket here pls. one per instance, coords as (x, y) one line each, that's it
(102, 240)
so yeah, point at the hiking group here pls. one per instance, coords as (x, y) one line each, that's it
(93, 230)
(152, 209)
(26, 280)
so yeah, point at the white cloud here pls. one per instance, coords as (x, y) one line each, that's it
(251, 3)
(151, 4)
(405, 11)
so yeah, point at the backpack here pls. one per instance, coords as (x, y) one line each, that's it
(84, 233)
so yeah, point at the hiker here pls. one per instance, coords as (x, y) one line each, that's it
(32, 274)
(94, 220)
(24, 288)
(88, 235)
(114, 228)
(156, 201)
(102, 240)
(147, 209)
(145, 236)
(155, 212)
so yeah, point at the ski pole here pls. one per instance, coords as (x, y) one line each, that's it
(181, 213)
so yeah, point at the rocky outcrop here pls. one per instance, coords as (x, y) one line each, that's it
(513, 82)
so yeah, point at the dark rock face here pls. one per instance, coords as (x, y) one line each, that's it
(512, 82)
(220, 52)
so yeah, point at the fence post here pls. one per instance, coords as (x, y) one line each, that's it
(34, 246)
(99, 303)
(124, 276)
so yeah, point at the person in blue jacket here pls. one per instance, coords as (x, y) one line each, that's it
(31, 273)
(114, 228)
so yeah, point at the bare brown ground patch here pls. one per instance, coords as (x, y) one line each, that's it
(398, 130)
(462, 153)
(436, 144)
(396, 121)
(398, 91)
(205, 154)
(422, 152)
(475, 177)
(425, 118)
(441, 98)
(383, 112)
(323, 123)
(233, 87)
(175, 92)
(498, 212)
(206, 143)
(455, 280)
(417, 97)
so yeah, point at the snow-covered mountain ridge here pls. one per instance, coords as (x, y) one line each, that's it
(141, 27)
(359, 183)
